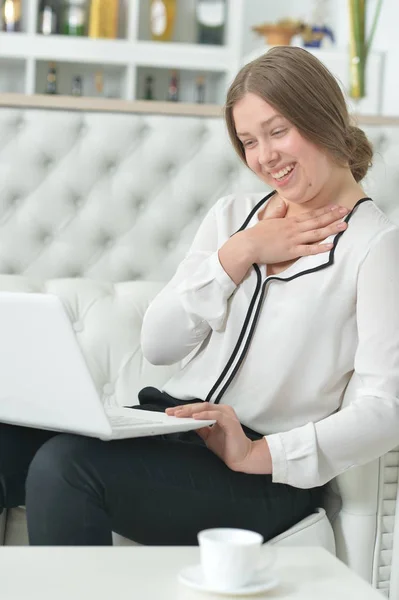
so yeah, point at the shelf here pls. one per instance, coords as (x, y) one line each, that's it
(76, 49)
(214, 84)
(147, 107)
(13, 76)
(182, 56)
(63, 48)
(124, 61)
(114, 78)
(109, 105)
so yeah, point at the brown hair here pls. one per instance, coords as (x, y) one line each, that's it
(304, 91)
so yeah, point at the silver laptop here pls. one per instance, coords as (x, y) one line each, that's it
(45, 382)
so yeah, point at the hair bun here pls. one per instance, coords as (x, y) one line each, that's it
(360, 151)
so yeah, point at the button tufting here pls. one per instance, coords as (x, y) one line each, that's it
(78, 326)
(230, 171)
(143, 131)
(81, 128)
(109, 389)
(47, 162)
(8, 269)
(198, 209)
(202, 133)
(169, 169)
(77, 200)
(170, 244)
(14, 200)
(106, 240)
(19, 123)
(382, 143)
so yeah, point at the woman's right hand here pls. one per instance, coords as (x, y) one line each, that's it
(278, 239)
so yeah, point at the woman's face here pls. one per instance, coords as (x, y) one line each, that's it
(277, 153)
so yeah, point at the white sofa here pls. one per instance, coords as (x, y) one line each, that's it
(99, 208)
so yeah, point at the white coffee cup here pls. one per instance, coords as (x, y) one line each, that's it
(230, 558)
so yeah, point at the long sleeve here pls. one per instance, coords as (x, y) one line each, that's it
(192, 304)
(368, 426)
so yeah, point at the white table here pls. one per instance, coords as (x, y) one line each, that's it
(150, 573)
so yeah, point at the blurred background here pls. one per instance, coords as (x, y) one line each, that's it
(189, 50)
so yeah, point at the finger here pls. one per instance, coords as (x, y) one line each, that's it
(317, 235)
(320, 223)
(188, 408)
(204, 432)
(212, 415)
(227, 420)
(311, 249)
(322, 216)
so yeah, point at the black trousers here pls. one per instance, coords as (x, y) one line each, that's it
(157, 490)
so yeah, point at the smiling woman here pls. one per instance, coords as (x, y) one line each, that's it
(284, 317)
(285, 130)
(301, 89)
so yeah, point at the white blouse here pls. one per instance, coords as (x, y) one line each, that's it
(288, 351)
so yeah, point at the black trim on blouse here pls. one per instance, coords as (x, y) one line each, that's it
(257, 299)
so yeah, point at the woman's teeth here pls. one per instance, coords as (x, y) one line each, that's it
(283, 172)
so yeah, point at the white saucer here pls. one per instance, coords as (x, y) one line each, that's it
(193, 577)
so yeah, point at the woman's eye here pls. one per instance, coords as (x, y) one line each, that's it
(247, 143)
(278, 132)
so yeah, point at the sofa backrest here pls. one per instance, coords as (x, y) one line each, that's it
(119, 196)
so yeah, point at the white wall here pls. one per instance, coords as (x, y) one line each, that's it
(385, 40)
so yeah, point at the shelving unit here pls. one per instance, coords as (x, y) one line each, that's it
(127, 61)
(124, 62)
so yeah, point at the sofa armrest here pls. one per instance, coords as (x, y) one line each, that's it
(366, 528)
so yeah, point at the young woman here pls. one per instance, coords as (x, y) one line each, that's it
(284, 315)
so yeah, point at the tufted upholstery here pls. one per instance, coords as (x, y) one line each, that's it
(109, 196)
(93, 204)
(119, 196)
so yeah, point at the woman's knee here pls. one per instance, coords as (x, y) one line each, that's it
(57, 460)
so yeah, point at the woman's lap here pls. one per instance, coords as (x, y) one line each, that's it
(155, 491)
(18, 445)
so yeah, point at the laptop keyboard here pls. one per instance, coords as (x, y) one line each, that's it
(130, 420)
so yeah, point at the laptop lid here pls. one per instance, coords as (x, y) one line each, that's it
(44, 379)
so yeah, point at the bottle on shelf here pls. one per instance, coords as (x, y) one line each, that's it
(200, 89)
(11, 15)
(51, 81)
(173, 89)
(103, 21)
(149, 88)
(211, 19)
(99, 83)
(77, 86)
(74, 17)
(48, 17)
(162, 19)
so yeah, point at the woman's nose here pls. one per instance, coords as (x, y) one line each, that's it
(268, 156)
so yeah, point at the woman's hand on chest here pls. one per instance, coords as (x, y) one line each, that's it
(280, 240)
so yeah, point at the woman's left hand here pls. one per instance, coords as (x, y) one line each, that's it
(226, 438)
